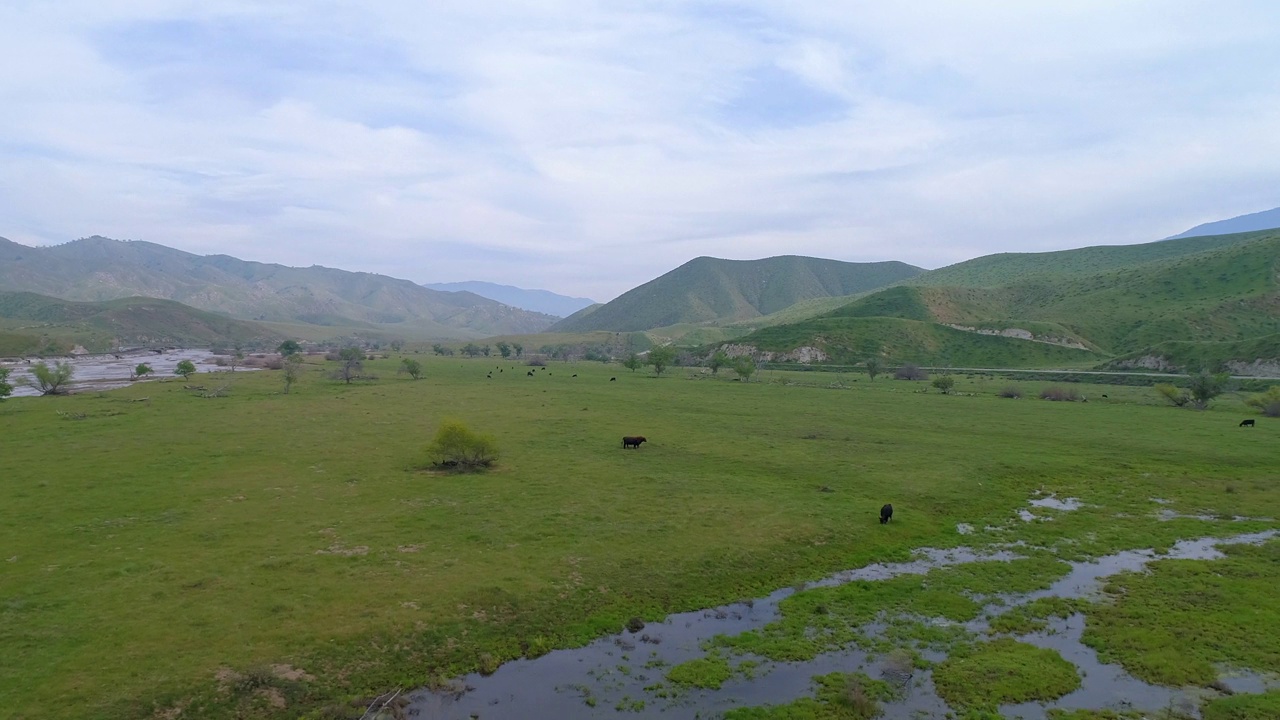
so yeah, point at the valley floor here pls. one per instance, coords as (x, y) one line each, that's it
(272, 555)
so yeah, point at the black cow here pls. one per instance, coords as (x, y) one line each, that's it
(886, 513)
(530, 373)
(1246, 423)
(612, 379)
(632, 441)
(575, 374)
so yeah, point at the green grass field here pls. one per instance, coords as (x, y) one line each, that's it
(165, 542)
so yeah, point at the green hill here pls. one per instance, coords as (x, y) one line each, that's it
(1008, 268)
(1179, 303)
(851, 340)
(31, 323)
(715, 291)
(98, 268)
(1259, 356)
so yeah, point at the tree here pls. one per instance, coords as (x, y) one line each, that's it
(504, 349)
(1268, 402)
(437, 349)
(633, 362)
(411, 366)
(1176, 396)
(397, 345)
(745, 367)
(661, 358)
(292, 370)
(471, 349)
(486, 350)
(944, 383)
(518, 348)
(456, 445)
(142, 370)
(236, 358)
(52, 380)
(186, 369)
(1204, 387)
(289, 347)
(718, 360)
(350, 363)
(5, 387)
(911, 371)
(873, 367)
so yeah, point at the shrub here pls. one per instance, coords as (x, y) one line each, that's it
(944, 383)
(457, 446)
(1011, 391)
(275, 363)
(910, 371)
(536, 363)
(1057, 393)
(1204, 387)
(1268, 402)
(1176, 396)
(53, 380)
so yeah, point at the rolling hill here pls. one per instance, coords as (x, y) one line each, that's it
(543, 301)
(1188, 303)
(32, 323)
(97, 268)
(715, 291)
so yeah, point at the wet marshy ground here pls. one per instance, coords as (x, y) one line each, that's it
(626, 675)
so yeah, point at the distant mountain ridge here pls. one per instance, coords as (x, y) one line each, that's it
(543, 301)
(713, 290)
(1265, 220)
(98, 268)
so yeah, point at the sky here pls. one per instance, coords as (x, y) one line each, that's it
(587, 147)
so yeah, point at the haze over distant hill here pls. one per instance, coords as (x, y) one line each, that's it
(98, 268)
(1265, 220)
(712, 290)
(543, 301)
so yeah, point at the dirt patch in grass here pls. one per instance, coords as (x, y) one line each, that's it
(1003, 671)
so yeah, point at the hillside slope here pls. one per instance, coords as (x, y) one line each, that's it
(32, 323)
(712, 290)
(1186, 304)
(97, 268)
(1007, 268)
(1226, 293)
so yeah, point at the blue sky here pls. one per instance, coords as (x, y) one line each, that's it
(586, 147)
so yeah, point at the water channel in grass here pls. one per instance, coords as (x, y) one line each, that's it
(112, 370)
(608, 678)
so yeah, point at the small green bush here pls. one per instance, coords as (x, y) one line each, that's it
(1268, 402)
(1011, 391)
(458, 446)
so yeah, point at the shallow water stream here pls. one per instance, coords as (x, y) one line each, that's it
(608, 678)
(109, 371)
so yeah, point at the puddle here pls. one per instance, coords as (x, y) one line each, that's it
(1055, 503)
(615, 676)
(110, 371)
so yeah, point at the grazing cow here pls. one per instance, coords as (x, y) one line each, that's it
(632, 441)
(530, 373)
(886, 513)
(575, 374)
(1104, 394)
(613, 379)
(1246, 423)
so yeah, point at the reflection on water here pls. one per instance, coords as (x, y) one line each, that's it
(615, 677)
(104, 372)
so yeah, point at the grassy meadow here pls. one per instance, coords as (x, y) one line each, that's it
(272, 555)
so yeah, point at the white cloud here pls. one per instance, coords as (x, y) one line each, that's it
(589, 146)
